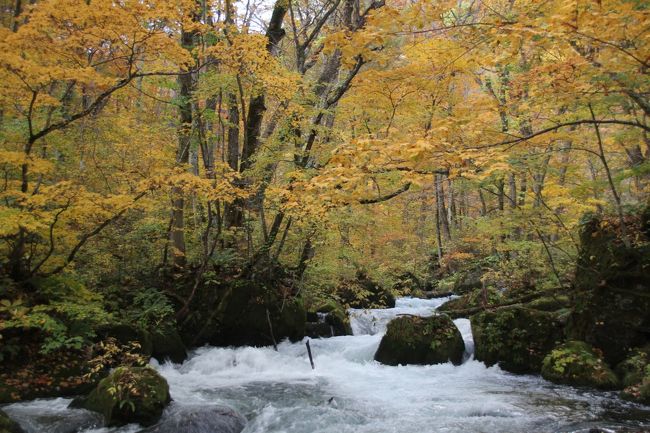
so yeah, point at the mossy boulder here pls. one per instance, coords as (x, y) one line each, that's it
(243, 314)
(167, 344)
(421, 340)
(631, 371)
(612, 286)
(7, 425)
(128, 395)
(639, 392)
(579, 364)
(634, 373)
(517, 338)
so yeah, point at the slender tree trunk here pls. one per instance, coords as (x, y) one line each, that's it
(186, 86)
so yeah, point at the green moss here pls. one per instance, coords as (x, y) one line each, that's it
(337, 317)
(129, 394)
(577, 363)
(639, 392)
(7, 425)
(516, 337)
(635, 376)
(632, 370)
(421, 340)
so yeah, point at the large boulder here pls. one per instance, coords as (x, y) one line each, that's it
(250, 314)
(166, 344)
(198, 419)
(421, 340)
(48, 416)
(577, 363)
(516, 337)
(7, 425)
(128, 395)
(612, 286)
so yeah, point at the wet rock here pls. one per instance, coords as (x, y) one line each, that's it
(198, 419)
(318, 330)
(48, 417)
(8, 425)
(577, 363)
(517, 338)
(612, 287)
(336, 316)
(421, 340)
(128, 395)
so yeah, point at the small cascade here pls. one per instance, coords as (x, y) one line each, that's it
(374, 321)
(465, 328)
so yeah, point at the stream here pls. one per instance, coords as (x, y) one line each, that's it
(349, 392)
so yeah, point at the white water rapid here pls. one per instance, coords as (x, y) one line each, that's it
(348, 391)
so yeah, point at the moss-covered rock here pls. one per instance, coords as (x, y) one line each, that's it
(421, 340)
(612, 286)
(337, 317)
(516, 337)
(7, 425)
(577, 363)
(167, 344)
(242, 317)
(128, 395)
(631, 371)
(634, 373)
(639, 392)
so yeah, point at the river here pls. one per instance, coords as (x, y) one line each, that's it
(349, 392)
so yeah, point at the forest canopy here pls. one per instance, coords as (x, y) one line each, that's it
(154, 150)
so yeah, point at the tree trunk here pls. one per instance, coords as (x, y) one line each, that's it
(186, 86)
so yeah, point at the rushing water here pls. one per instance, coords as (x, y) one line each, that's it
(349, 392)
